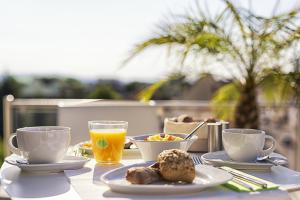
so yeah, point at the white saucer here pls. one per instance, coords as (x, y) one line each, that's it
(68, 163)
(206, 176)
(220, 158)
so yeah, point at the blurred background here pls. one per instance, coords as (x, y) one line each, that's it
(233, 60)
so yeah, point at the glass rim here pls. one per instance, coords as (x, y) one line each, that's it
(43, 128)
(108, 122)
(242, 131)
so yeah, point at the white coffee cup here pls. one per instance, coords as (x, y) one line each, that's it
(43, 144)
(246, 144)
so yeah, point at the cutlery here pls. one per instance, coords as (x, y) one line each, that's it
(249, 179)
(195, 129)
(275, 161)
(22, 161)
(237, 181)
(196, 160)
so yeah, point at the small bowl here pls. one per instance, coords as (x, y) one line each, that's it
(151, 149)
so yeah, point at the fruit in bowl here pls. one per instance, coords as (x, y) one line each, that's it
(163, 137)
(151, 145)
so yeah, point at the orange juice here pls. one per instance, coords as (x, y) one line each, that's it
(108, 144)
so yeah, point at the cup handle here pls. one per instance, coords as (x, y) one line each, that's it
(270, 150)
(11, 145)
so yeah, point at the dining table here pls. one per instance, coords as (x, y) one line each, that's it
(85, 184)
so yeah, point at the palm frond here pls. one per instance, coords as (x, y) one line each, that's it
(224, 101)
(173, 78)
(293, 82)
(237, 17)
(294, 36)
(275, 80)
(160, 40)
(191, 36)
(146, 94)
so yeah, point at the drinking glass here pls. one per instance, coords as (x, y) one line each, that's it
(108, 138)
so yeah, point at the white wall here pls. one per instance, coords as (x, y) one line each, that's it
(142, 118)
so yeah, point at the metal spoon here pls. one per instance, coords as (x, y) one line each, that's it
(194, 131)
(276, 162)
(22, 161)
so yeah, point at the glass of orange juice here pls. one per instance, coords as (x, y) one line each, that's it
(108, 138)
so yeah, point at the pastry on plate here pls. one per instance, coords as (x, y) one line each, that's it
(176, 165)
(172, 165)
(142, 175)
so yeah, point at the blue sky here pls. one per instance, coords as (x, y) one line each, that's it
(89, 38)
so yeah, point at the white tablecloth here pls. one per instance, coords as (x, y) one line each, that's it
(85, 184)
(21, 186)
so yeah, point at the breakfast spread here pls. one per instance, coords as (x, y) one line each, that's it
(172, 165)
(173, 169)
(163, 137)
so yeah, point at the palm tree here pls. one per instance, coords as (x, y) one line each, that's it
(287, 89)
(244, 42)
(292, 81)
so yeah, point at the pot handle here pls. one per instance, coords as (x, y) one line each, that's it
(11, 145)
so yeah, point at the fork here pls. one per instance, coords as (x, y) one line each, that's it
(196, 160)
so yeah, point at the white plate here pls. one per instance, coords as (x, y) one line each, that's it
(220, 158)
(69, 162)
(206, 176)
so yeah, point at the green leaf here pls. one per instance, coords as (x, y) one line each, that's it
(224, 101)
(146, 94)
(102, 143)
(275, 86)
